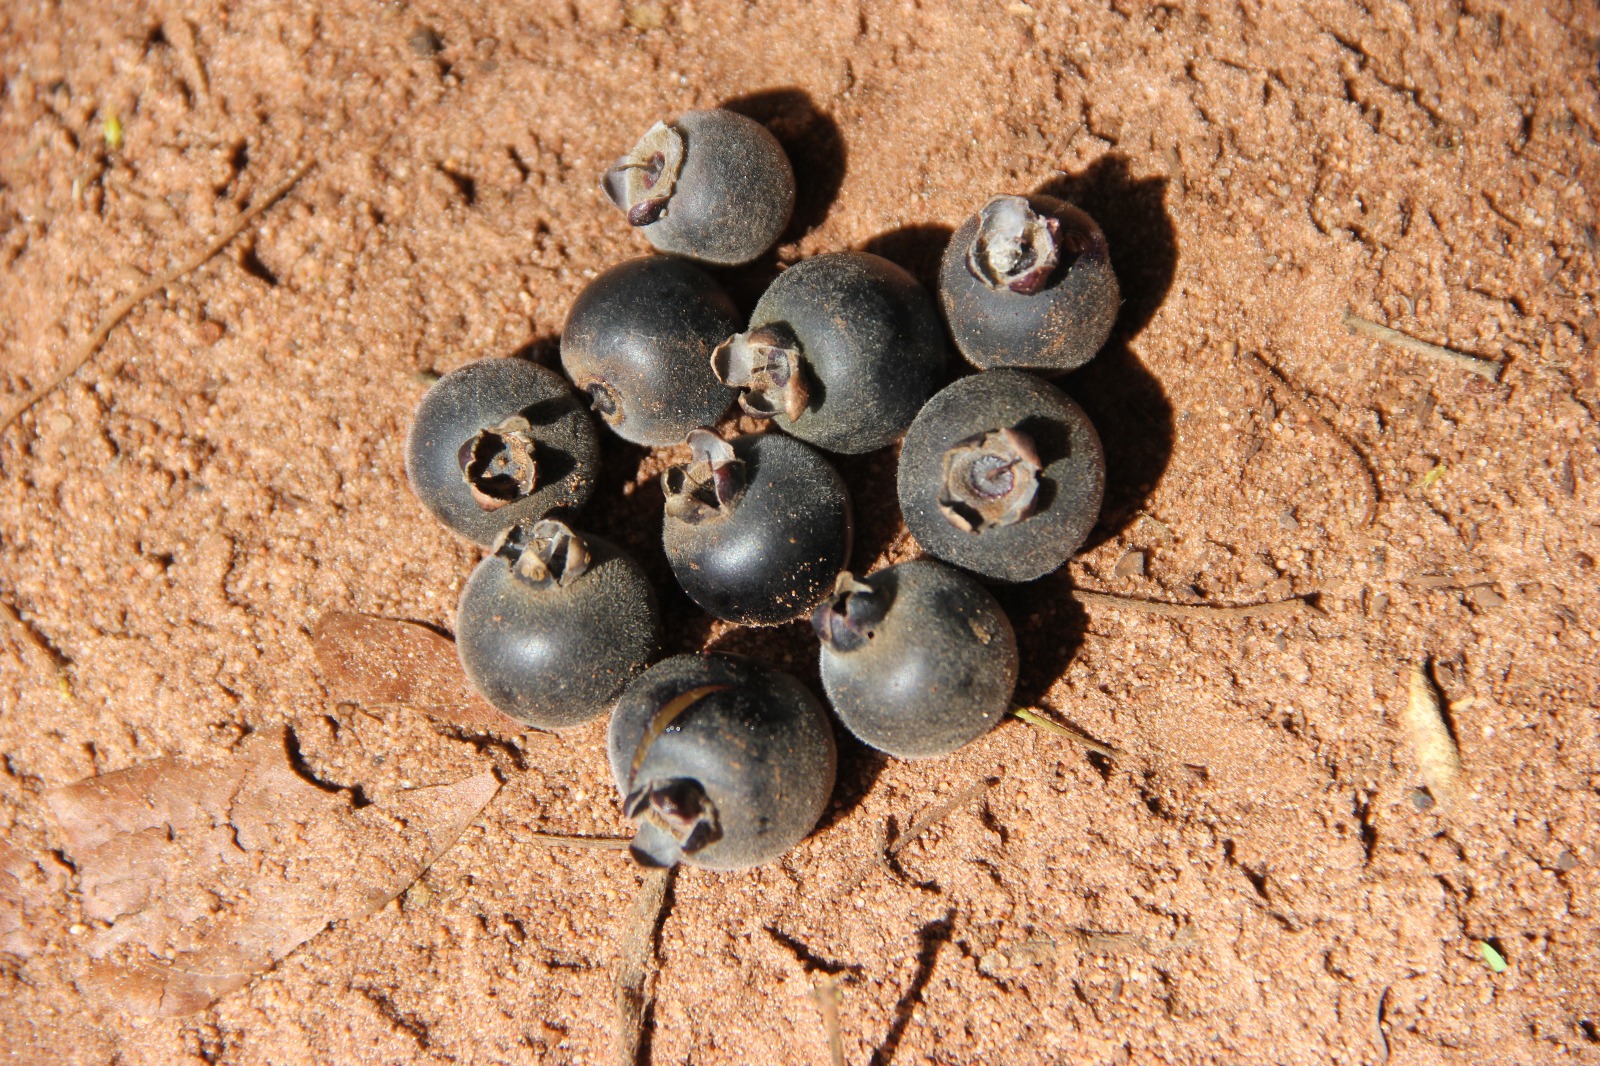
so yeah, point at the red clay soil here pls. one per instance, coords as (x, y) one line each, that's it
(1255, 877)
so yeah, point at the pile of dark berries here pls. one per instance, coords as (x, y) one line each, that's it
(723, 761)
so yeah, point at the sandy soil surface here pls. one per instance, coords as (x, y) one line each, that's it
(1254, 878)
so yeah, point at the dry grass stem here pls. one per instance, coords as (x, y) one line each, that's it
(1297, 401)
(632, 982)
(124, 306)
(1032, 717)
(1203, 612)
(939, 812)
(1487, 369)
(565, 840)
(36, 647)
(1437, 756)
(825, 993)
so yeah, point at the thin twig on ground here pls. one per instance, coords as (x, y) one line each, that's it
(121, 309)
(1488, 369)
(1298, 401)
(1032, 717)
(632, 981)
(1202, 612)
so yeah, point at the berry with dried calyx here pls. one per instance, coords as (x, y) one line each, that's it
(1001, 474)
(917, 660)
(757, 529)
(638, 341)
(842, 351)
(713, 186)
(497, 442)
(1027, 283)
(723, 761)
(553, 624)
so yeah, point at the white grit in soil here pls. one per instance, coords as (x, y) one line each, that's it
(1256, 876)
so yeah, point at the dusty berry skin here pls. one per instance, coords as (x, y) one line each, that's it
(453, 439)
(1019, 440)
(917, 660)
(723, 761)
(553, 624)
(712, 185)
(842, 351)
(638, 343)
(1049, 329)
(756, 529)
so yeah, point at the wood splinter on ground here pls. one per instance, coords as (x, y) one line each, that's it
(1437, 755)
(123, 307)
(633, 981)
(1487, 369)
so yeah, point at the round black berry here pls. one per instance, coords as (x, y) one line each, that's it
(713, 186)
(553, 624)
(1027, 282)
(497, 442)
(638, 341)
(843, 350)
(756, 530)
(1001, 474)
(723, 761)
(917, 660)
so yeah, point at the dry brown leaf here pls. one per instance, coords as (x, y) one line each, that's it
(32, 890)
(1437, 756)
(381, 662)
(208, 875)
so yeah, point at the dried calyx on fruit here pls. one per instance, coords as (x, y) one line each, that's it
(641, 182)
(500, 463)
(990, 480)
(709, 484)
(711, 185)
(553, 623)
(1015, 247)
(723, 761)
(497, 442)
(765, 366)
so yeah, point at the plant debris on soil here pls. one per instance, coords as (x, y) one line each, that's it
(234, 745)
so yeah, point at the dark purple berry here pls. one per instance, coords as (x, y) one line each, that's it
(1027, 283)
(723, 761)
(713, 186)
(497, 442)
(843, 350)
(639, 340)
(553, 624)
(1001, 474)
(756, 530)
(917, 660)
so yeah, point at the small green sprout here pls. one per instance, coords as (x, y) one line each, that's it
(112, 129)
(1496, 961)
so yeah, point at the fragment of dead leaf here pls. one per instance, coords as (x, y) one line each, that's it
(156, 847)
(381, 662)
(1437, 756)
